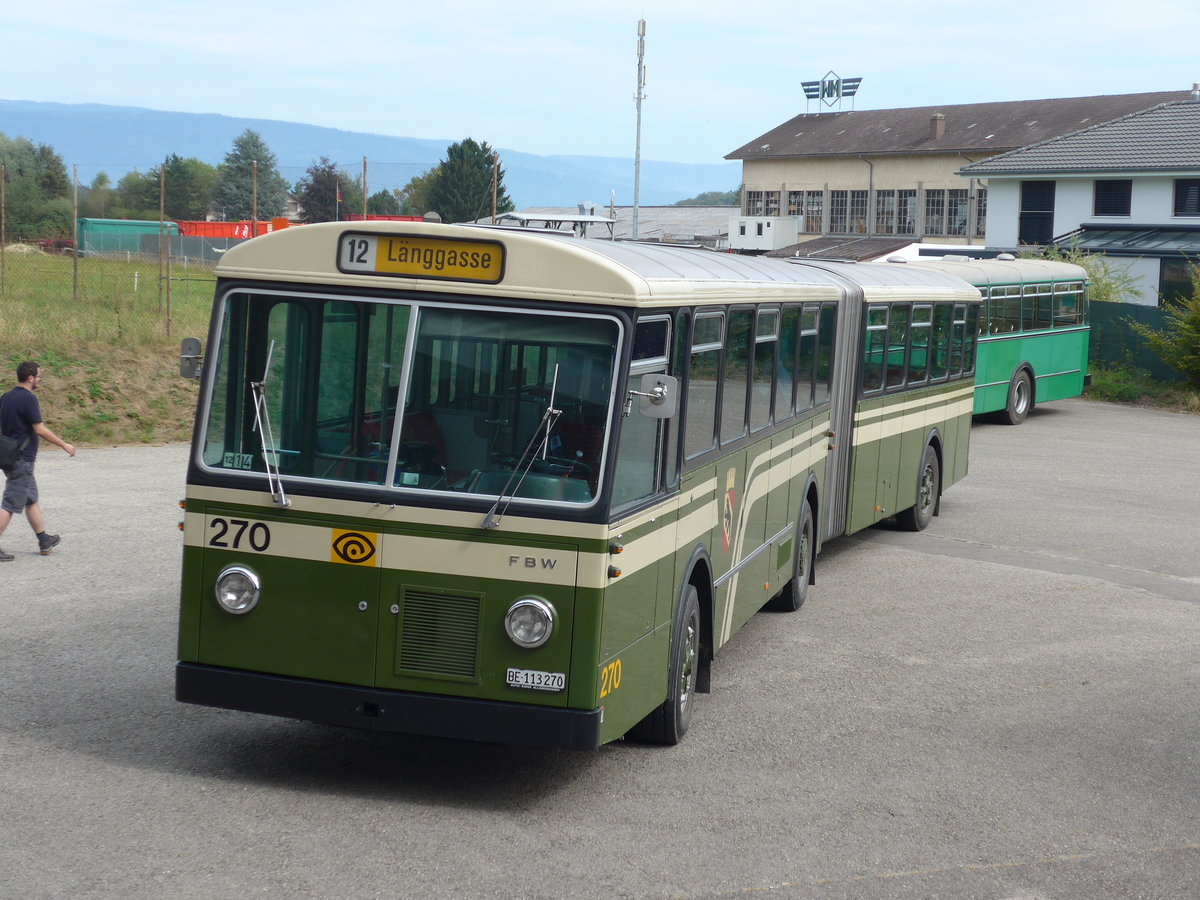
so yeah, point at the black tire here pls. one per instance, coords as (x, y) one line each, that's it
(1020, 399)
(795, 592)
(929, 488)
(669, 722)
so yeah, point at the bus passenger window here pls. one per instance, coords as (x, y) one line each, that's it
(766, 342)
(785, 386)
(705, 365)
(897, 344)
(806, 378)
(941, 341)
(918, 353)
(823, 386)
(874, 349)
(737, 375)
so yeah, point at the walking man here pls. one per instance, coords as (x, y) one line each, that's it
(21, 418)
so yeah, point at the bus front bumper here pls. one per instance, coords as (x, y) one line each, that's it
(392, 711)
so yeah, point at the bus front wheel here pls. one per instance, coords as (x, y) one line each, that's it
(668, 723)
(1020, 399)
(929, 487)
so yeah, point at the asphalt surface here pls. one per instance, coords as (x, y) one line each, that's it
(1006, 705)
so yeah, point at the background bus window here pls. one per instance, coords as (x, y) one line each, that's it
(735, 384)
(1066, 304)
(701, 418)
(1005, 310)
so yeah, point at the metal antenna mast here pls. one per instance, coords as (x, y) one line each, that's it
(639, 97)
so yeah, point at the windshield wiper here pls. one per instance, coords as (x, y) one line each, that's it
(527, 459)
(266, 437)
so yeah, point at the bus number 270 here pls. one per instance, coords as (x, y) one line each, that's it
(229, 534)
(610, 678)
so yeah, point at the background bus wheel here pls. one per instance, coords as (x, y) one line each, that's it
(929, 487)
(669, 722)
(795, 592)
(1020, 399)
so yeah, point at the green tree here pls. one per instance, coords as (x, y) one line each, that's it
(414, 196)
(460, 188)
(234, 193)
(137, 195)
(97, 198)
(325, 193)
(187, 188)
(384, 203)
(714, 198)
(1177, 343)
(37, 190)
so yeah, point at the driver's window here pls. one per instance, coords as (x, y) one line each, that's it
(640, 452)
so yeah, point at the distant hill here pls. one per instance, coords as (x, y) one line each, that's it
(117, 139)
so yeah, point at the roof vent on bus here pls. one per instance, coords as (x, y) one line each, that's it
(897, 259)
(1007, 257)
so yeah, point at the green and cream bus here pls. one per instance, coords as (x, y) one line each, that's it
(519, 487)
(1033, 330)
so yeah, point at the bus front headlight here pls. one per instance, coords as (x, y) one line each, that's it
(529, 622)
(237, 590)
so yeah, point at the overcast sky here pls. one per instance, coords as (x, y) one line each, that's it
(560, 77)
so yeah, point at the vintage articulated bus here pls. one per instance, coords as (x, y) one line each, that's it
(1033, 331)
(521, 487)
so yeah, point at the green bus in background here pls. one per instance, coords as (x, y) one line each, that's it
(1033, 334)
(520, 487)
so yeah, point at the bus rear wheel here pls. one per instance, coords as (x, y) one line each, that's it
(795, 592)
(669, 722)
(1020, 399)
(929, 488)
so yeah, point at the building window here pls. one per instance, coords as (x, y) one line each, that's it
(795, 203)
(772, 203)
(858, 211)
(958, 205)
(935, 212)
(1035, 225)
(838, 207)
(1112, 197)
(981, 212)
(814, 206)
(906, 211)
(885, 212)
(1187, 196)
(754, 203)
(1175, 283)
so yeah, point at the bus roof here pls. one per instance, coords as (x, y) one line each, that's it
(987, 272)
(560, 267)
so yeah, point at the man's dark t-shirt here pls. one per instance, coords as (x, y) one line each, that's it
(19, 414)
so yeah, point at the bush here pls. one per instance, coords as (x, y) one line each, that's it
(1177, 343)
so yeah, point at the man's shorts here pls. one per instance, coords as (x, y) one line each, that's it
(20, 488)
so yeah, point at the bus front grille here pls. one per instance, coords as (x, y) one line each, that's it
(439, 634)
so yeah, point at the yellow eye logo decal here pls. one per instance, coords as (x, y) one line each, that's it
(353, 547)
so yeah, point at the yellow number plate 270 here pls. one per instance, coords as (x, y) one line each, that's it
(446, 259)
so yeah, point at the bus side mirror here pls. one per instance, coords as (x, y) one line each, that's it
(190, 358)
(658, 398)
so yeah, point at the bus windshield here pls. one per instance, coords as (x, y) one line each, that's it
(476, 385)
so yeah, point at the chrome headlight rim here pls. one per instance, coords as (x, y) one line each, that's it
(250, 592)
(513, 626)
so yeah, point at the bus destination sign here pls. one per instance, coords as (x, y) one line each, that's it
(413, 256)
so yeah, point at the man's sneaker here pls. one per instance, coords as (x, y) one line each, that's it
(5, 557)
(49, 543)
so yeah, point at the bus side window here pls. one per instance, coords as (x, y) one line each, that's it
(701, 416)
(735, 384)
(806, 380)
(786, 379)
(874, 349)
(823, 386)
